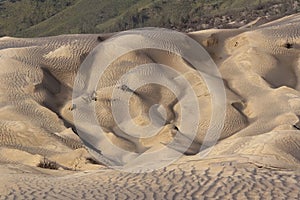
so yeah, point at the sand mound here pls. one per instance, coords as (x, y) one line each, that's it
(260, 71)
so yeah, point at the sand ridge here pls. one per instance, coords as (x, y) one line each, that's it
(260, 70)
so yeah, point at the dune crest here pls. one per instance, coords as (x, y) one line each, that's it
(260, 71)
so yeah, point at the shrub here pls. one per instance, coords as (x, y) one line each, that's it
(48, 164)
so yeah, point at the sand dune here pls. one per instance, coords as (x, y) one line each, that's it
(191, 179)
(257, 154)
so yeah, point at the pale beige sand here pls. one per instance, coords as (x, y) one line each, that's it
(258, 155)
(188, 179)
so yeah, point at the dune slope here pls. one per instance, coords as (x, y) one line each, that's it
(258, 152)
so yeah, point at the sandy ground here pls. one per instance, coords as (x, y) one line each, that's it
(190, 179)
(257, 155)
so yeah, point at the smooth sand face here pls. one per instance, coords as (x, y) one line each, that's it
(260, 69)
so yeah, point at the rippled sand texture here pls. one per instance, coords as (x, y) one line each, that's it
(190, 179)
(258, 155)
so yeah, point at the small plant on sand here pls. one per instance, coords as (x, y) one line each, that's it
(48, 164)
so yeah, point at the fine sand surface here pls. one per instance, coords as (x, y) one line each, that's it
(257, 155)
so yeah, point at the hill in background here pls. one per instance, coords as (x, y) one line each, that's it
(32, 18)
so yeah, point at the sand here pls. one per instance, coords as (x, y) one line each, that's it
(256, 156)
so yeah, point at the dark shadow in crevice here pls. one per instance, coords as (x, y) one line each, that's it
(288, 45)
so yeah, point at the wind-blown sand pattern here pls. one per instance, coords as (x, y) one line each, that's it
(258, 153)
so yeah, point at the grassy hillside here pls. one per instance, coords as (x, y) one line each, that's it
(18, 15)
(31, 18)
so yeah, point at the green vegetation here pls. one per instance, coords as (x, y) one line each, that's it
(31, 18)
(18, 15)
